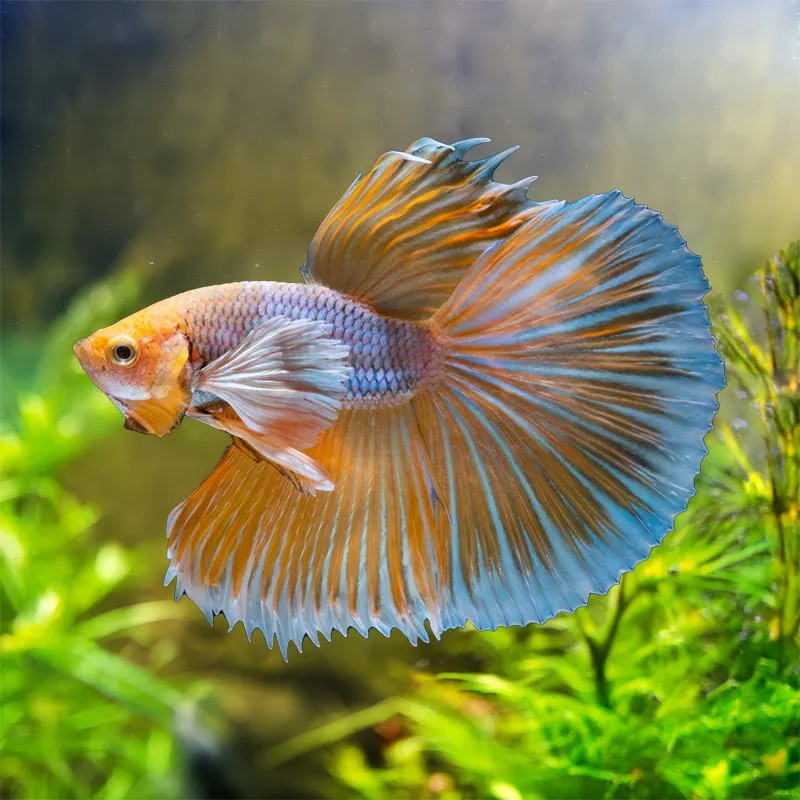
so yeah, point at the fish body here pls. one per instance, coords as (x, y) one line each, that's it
(388, 358)
(475, 407)
(383, 360)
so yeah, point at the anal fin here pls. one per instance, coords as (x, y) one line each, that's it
(375, 552)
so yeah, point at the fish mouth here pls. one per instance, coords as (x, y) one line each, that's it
(82, 350)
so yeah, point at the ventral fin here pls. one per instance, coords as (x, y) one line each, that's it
(302, 471)
(405, 233)
(285, 381)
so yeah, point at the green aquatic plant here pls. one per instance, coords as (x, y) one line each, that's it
(79, 717)
(683, 680)
(767, 369)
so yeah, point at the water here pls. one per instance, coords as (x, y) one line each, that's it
(204, 143)
(211, 139)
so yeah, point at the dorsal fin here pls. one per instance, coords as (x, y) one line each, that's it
(404, 234)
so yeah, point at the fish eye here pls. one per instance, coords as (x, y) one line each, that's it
(123, 351)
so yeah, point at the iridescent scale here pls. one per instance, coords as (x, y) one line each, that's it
(390, 358)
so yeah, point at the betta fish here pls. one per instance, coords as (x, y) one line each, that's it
(474, 408)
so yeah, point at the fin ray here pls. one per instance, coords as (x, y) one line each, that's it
(404, 234)
(282, 370)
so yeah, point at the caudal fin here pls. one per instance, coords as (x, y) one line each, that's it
(559, 442)
(581, 379)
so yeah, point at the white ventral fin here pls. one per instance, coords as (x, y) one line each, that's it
(285, 381)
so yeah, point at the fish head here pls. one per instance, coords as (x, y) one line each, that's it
(144, 368)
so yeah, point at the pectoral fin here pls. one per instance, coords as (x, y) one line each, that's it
(285, 381)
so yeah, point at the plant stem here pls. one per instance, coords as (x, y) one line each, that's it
(600, 646)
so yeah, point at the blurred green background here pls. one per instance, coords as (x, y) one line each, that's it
(149, 148)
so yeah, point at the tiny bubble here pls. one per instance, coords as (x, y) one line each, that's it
(739, 423)
(741, 296)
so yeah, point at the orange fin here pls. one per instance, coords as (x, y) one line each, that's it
(404, 234)
(157, 416)
(372, 553)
